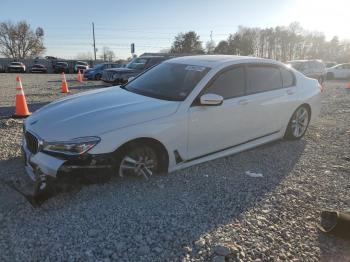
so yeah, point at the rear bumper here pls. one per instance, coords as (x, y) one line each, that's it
(315, 103)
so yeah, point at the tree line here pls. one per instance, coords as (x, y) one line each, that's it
(19, 40)
(279, 43)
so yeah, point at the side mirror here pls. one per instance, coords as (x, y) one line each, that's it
(211, 100)
(131, 78)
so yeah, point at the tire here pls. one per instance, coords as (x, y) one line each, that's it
(330, 76)
(298, 123)
(98, 77)
(138, 160)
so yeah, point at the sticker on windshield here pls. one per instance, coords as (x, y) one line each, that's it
(195, 68)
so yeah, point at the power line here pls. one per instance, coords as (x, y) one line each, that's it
(93, 35)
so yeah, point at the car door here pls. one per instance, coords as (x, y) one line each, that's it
(339, 72)
(214, 128)
(346, 71)
(267, 102)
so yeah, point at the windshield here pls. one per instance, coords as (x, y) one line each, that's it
(62, 64)
(168, 81)
(15, 63)
(81, 63)
(98, 66)
(138, 63)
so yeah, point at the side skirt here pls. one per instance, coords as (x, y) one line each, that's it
(232, 150)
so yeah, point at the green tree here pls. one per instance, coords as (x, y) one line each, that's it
(222, 48)
(187, 43)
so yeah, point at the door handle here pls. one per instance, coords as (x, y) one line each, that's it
(243, 102)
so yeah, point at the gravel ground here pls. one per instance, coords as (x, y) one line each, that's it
(209, 212)
(39, 89)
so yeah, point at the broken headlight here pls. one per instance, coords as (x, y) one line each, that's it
(72, 147)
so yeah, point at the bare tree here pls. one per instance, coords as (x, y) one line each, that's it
(19, 41)
(210, 47)
(84, 56)
(107, 54)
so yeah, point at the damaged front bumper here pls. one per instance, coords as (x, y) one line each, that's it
(44, 170)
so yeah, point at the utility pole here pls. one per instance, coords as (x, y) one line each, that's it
(93, 36)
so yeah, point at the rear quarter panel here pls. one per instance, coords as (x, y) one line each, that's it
(309, 92)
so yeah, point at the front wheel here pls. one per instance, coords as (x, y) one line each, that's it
(98, 77)
(298, 123)
(138, 160)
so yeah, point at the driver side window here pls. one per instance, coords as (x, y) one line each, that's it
(228, 84)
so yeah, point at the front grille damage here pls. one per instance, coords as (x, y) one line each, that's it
(32, 142)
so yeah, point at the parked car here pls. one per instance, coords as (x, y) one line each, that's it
(95, 73)
(182, 112)
(80, 65)
(16, 67)
(339, 71)
(38, 68)
(117, 76)
(330, 64)
(311, 68)
(60, 67)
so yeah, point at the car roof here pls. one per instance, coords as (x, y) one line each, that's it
(304, 61)
(149, 56)
(217, 60)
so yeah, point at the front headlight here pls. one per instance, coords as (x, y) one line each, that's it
(72, 147)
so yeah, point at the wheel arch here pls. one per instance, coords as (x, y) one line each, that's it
(158, 146)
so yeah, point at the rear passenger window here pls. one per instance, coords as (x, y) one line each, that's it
(263, 78)
(287, 77)
(229, 84)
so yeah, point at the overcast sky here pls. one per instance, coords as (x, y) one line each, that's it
(152, 24)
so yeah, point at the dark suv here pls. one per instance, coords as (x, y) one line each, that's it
(117, 76)
(96, 72)
(60, 67)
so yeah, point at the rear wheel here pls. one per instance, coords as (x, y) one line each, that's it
(298, 123)
(139, 160)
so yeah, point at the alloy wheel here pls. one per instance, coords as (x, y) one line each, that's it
(300, 122)
(141, 161)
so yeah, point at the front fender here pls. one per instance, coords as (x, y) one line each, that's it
(171, 132)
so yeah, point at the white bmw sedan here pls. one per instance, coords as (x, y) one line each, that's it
(182, 112)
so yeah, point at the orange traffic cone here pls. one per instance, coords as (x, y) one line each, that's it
(79, 77)
(348, 85)
(64, 85)
(21, 102)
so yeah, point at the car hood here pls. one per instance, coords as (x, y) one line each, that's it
(90, 70)
(95, 112)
